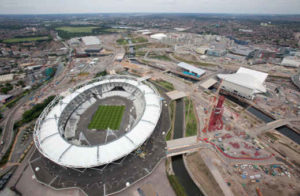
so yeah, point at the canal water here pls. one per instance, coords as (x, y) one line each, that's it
(284, 130)
(177, 161)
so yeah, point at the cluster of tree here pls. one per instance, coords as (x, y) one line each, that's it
(102, 73)
(34, 112)
(6, 88)
(21, 83)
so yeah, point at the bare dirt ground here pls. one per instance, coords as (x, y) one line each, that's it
(202, 174)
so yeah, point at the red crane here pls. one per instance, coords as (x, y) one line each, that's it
(215, 121)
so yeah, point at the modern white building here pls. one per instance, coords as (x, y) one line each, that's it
(158, 36)
(91, 40)
(245, 82)
(92, 44)
(191, 70)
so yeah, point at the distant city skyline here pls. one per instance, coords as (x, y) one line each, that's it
(153, 6)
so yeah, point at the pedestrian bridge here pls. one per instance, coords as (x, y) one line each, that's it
(184, 145)
(271, 125)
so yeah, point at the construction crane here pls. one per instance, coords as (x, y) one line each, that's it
(215, 121)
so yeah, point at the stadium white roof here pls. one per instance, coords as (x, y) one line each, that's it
(191, 68)
(52, 145)
(91, 40)
(248, 78)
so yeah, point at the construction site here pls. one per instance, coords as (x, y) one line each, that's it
(252, 143)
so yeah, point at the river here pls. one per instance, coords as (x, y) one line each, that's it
(177, 161)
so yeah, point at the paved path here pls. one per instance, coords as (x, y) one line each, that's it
(215, 172)
(158, 179)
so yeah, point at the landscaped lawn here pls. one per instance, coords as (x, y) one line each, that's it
(190, 118)
(107, 117)
(167, 85)
(70, 29)
(25, 39)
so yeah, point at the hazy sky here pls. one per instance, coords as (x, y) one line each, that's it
(194, 6)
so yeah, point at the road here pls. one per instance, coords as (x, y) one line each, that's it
(217, 175)
(7, 134)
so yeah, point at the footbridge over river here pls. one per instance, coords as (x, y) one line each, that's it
(192, 144)
(272, 125)
(184, 145)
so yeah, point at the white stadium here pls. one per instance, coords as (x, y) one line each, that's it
(56, 129)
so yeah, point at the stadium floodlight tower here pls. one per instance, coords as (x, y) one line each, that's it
(60, 136)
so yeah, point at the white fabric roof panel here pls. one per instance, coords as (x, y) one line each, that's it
(86, 155)
(260, 76)
(191, 68)
(140, 132)
(50, 142)
(248, 78)
(91, 40)
(54, 146)
(152, 99)
(151, 114)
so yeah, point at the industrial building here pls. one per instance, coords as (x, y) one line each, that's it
(201, 50)
(245, 82)
(6, 77)
(5, 98)
(191, 70)
(216, 52)
(291, 62)
(119, 57)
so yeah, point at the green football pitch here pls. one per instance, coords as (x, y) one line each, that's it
(107, 117)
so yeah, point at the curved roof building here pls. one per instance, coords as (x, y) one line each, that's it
(245, 82)
(53, 131)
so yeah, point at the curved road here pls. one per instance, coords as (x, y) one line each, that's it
(7, 134)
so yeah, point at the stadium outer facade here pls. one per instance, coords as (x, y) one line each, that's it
(49, 132)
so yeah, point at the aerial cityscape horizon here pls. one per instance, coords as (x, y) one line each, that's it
(150, 98)
(156, 6)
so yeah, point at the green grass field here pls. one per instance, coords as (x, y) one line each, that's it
(190, 118)
(70, 29)
(25, 39)
(107, 117)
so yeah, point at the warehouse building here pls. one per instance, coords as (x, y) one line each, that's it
(120, 56)
(216, 52)
(291, 62)
(5, 98)
(6, 77)
(245, 82)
